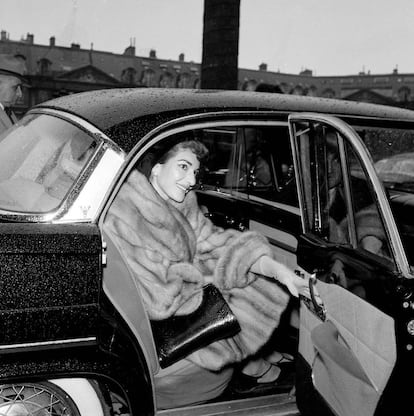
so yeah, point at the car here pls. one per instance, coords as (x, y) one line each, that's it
(75, 336)
(398, 168)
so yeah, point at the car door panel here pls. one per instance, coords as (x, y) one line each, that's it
(280, 226)
(352, 353)
(50, 284)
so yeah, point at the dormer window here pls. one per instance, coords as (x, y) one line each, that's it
(43, 66)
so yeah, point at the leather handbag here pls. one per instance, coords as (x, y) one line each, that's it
(178, 336)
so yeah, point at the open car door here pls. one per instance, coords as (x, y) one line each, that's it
(347, 331)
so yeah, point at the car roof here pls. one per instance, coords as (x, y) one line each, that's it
(110, 108)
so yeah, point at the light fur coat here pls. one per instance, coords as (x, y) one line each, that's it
(173, 250)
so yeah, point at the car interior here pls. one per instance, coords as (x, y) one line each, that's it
(247, 165)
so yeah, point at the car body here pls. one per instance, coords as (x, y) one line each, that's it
(73, 320)
(398, 168)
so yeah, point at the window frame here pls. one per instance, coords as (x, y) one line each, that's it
(398, 254)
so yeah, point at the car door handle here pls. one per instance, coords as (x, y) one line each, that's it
(314, 304)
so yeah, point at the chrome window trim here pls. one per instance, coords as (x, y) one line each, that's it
(41, 345)
(89, 199)
(64, 212)
(401, 261)
(279, 205)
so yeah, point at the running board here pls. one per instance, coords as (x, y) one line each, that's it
(275, 405)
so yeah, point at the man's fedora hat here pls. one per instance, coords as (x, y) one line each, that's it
(12, 65)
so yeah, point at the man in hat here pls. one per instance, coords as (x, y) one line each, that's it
(12, 70)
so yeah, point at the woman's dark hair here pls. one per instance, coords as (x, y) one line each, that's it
(198, 148)
(159, 155)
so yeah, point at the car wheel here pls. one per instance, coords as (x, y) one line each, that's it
(65, 397)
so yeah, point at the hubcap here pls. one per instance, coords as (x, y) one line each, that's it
(35, 399)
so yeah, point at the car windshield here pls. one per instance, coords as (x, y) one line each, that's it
(392, 151)
(40, 160)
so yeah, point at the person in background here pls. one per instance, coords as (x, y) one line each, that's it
(12, 70)
(174, 249)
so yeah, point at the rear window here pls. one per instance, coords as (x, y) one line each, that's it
(41, 159)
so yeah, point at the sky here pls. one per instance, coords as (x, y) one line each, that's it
(329, 37)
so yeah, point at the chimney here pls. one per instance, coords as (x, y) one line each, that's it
(75, 46)
(30, 38)
(52, 41)
(263, 67)
(3, 35)
(153, 53)
(181, 57)
(305, 71)
(130, 51)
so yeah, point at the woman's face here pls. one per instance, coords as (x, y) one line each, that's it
(334, 170)
(174, 178)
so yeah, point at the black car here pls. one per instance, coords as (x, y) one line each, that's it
(75, 337)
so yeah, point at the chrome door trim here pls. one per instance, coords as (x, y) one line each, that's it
(41, 345)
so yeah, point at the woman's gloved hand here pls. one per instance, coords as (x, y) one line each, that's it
(296, 285)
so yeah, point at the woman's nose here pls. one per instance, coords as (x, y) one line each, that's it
(192, 178)
(19, 92)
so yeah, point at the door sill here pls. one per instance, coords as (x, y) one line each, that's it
(275, 405)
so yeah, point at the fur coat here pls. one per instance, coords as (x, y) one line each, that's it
(173, 250)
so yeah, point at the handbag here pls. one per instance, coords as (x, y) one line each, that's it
(178, 336)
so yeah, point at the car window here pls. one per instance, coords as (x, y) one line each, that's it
(220, 169)
(40, 161)
(392, 152)
(343, 204)
(340, 204)
(370, 230)
(260, 164)
(254, 161)
(267, 171)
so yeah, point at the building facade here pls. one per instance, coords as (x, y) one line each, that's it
(57, 70)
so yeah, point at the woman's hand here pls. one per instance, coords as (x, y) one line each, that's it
(296, 285)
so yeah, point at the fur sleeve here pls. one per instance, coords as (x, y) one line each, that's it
(224, 254)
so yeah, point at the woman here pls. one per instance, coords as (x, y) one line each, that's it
(174, 250)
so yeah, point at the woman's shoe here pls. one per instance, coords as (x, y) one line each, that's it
(277, 358)
(251, 385)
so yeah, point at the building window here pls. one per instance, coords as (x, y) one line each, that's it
(148, 77)
(297, 90)
(43, 66)
(328, 93)
(183, 80)
(166, 80)
(404, 94)
(312, 91)
(249, 85)
(129, 75)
